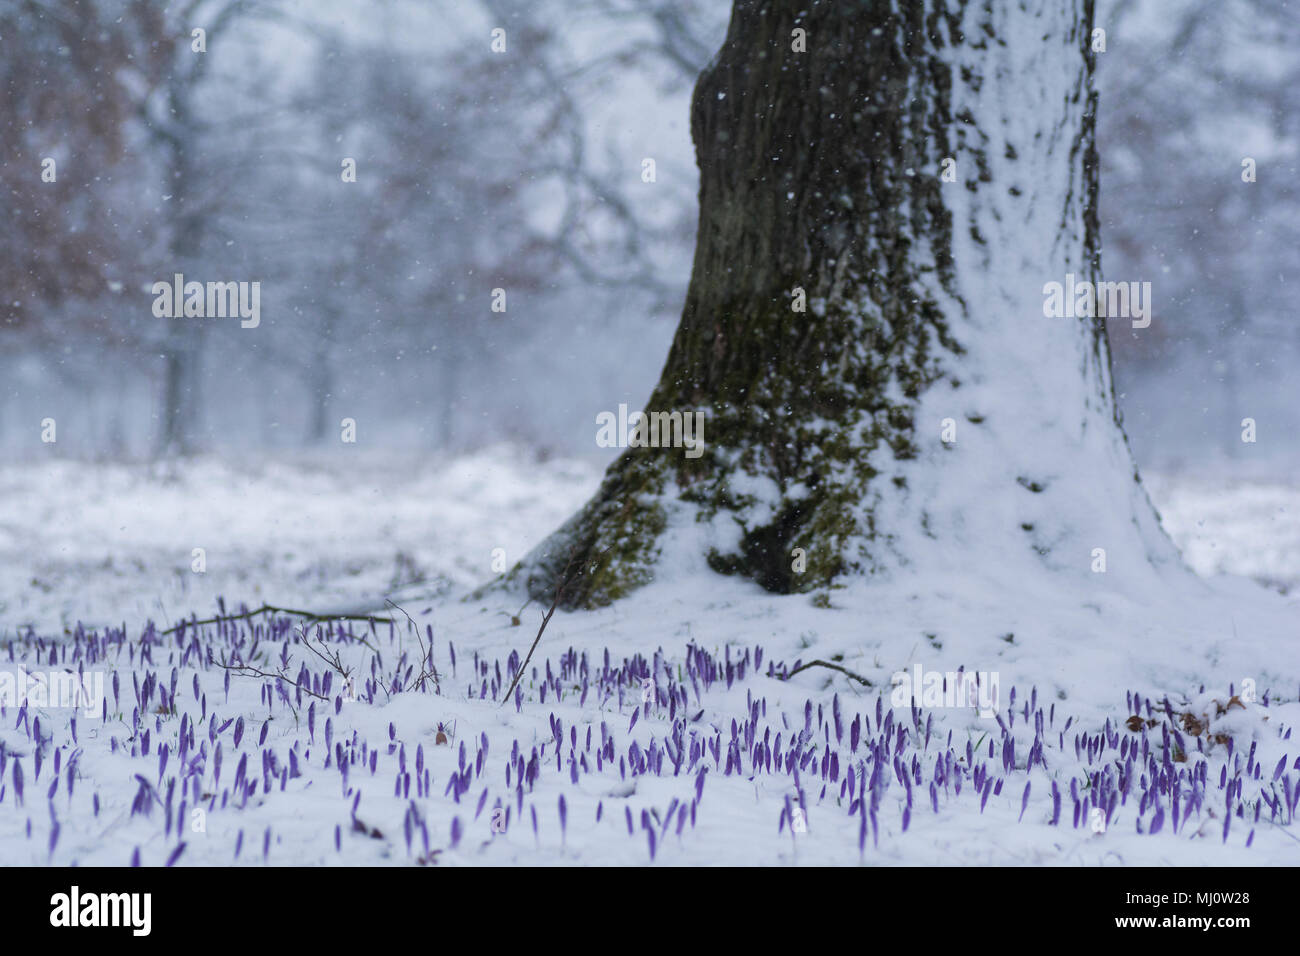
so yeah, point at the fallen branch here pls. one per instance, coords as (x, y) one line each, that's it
(248, 670)
(559, 593)
(332, 659)
(290, 612)
(426, 656)
(835, 667)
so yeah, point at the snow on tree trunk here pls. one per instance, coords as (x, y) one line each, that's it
(922, 410)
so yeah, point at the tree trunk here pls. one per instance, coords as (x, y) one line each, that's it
(826, 451)
(183, 346)
(182, 354)
(322, 388)
(172, 429)
(447, 379)
(321, 377)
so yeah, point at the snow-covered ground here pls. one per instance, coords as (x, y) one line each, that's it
(653, 727)
(113, 544)
(108, 544)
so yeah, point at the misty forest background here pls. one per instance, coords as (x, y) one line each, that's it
(522, 170)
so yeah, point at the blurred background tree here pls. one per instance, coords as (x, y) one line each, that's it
(522, 170)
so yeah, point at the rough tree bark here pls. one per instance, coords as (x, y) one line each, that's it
(821, 171)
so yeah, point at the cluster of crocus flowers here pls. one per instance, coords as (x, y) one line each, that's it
(180, 738)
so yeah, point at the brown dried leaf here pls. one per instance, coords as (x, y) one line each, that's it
(1192, 725)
